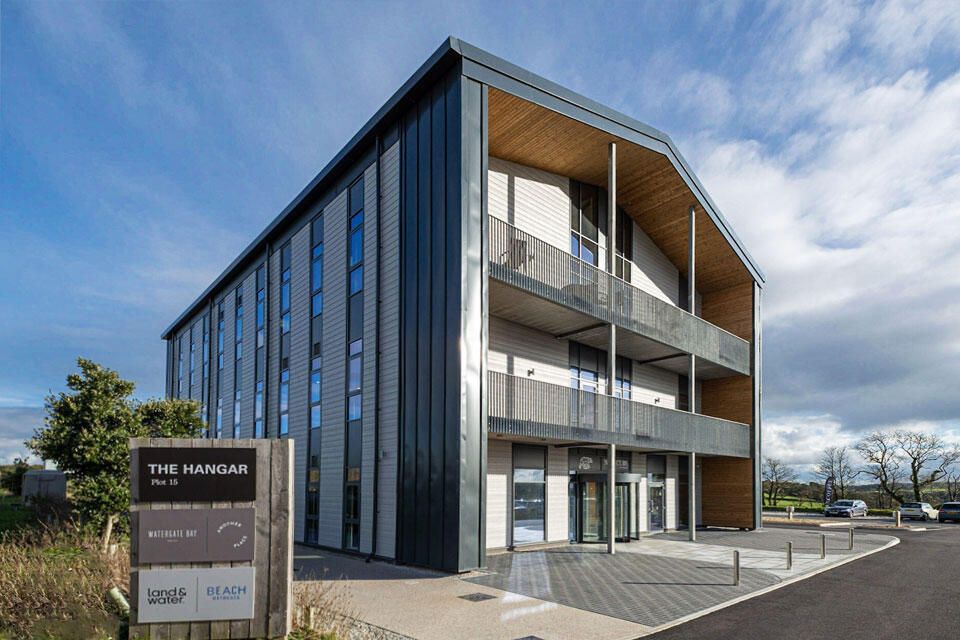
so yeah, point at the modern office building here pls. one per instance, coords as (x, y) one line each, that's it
(496, 289)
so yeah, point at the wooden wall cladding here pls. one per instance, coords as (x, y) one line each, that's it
(726, 492)
(728, 398)
(730, 309)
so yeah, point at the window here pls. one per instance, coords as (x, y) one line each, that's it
(179, 366)
(624, 245)
(220, 335)
(285, 289)
(352, 459)
(193, 363)
(236, 414)
(622, 387)
(586, 370)
(529, 494)
(258, 411)
(283, 404)
(219, 423)
(238, 355)
(584, 222)
(259, 361)
(311, 525)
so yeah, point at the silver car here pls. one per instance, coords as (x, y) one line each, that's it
(846, 509)
(918, 511)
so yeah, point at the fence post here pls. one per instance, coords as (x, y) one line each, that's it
(850, 541)
(789, 556)
(736, 568)
(823, 546)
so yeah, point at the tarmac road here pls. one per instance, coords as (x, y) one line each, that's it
(910, 590)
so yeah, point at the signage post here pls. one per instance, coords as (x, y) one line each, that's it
(211, 541)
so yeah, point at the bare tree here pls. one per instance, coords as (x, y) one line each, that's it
(775, 476)
(882, 454)
(836, 462)
(928, 458)
(952, 481)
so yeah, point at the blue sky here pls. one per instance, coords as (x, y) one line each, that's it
(829, 136)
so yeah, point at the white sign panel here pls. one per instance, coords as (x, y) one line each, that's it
(180, 595)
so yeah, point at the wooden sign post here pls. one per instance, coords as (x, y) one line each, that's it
(211, 540)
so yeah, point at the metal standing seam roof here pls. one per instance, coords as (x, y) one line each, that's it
(446, 54)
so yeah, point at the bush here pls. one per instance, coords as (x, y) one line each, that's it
(12, 478)
(53, 584)
(320, 612)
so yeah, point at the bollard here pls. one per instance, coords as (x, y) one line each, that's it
(850, 541)
(823, 546)
(789, 556)
(789, 513)
(896, 517)
(736, 568)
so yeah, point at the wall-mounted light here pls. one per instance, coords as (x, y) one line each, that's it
(530, 372)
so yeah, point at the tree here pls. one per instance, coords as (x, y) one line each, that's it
(925, 452)
(952, 482)
(881, 452)
(86, 434)
(775, 476)
(835, 462)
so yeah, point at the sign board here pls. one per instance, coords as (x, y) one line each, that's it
(180, 474)
(174, 595)
(196, 535)
(828, 491)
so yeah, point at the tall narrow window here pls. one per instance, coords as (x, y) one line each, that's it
(237, 362)
(584, 232)
(180, 367)
(624, 245)
(205, 388)
(283, 406)
(259, 363)
(316, 361)
(218, 425)
(586, 371)
(193, 364)
(529, 494)
(352, 455)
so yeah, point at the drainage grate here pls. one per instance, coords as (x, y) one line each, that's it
(477, 597)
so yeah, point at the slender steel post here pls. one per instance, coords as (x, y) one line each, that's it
(611, 498)
(823, 546)
(692, 493)
(692, 304)
(896, 517)
(612, 209)
(736, 568)
(789, 556)
(850, 540)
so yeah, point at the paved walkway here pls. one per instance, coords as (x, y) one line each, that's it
(578, 591)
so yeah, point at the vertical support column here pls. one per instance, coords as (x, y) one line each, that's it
(692, 495)
(611, 498)
(692, 305)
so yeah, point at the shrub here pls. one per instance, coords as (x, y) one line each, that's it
(12, 477)
(320, 612)
(54, 583)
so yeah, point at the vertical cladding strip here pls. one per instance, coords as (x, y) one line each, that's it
(389, 357)
(499, 460)
(229, 359)
(333, 385)
(369, 417)
(473, 431)
(558, 504)
(299, 416)
(271, 382)
(249, 362)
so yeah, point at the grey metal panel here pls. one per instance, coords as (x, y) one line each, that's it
(334, 372)
(368, 385)
(272, 378)
(389, 351)
(168, 378)
(248, 368)
(530, 264)
(527, 407)
(300, 263)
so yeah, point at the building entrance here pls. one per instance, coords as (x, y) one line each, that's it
(588, 507)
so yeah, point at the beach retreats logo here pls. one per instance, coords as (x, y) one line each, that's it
(177, 595)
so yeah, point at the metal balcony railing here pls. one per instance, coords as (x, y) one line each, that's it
(528, 263)
(528, 407)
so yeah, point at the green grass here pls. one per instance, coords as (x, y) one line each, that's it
(794, 501)
(13, 515)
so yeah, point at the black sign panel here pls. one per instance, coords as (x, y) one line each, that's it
(173, 474)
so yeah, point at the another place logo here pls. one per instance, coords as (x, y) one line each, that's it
(585, 463)
(233, 527)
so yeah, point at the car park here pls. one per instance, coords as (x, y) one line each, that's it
(949, 511)
(918, 511)
(846, 509)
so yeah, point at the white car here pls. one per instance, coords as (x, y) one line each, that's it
(918, 511)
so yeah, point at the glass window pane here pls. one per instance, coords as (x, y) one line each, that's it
(354, 408)
(318, 303)
(284, 396)
(528, 475)
(528, 512)
(285, 296)
(315, 417)
(354, 374)
(356, 247)
(284, 424)
(315, 387)
(317, 274)
(356, 280)
(356, 347)
(285, 323)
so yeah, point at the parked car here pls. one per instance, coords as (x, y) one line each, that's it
(846, 509)
(918, 511)
(950, 511)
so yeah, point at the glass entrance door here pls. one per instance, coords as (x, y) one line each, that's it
(622, 515)
(593, 511)
(655, 507)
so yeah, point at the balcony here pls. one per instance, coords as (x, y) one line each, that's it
(527, 407)
(577, 295)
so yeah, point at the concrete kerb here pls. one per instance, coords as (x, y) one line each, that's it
(723, 605)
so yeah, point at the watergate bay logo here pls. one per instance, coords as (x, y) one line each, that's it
(196, 535)
(181, 474)
(179, 595)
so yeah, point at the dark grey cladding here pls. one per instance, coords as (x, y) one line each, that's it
(442, 431)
